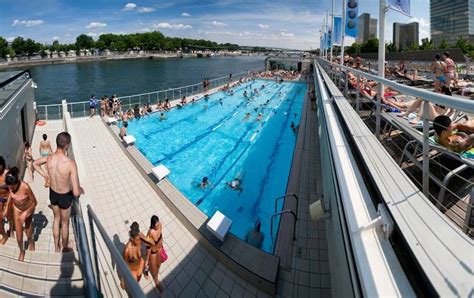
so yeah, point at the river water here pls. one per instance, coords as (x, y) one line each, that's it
(78, 81)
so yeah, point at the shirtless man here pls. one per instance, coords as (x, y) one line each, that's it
(64, 184)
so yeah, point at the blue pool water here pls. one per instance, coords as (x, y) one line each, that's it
(212, 138)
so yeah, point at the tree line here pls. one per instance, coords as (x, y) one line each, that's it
(372, 46)
(148, 41)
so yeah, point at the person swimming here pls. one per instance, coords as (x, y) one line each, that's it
(236, 184)
(259, 117)
(221, 102)
(247, 116)
(162, 117)
(204, 183)
(245, 93)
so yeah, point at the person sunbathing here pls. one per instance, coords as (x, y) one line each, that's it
(448, 137)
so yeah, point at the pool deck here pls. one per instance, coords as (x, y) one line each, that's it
(304, 268)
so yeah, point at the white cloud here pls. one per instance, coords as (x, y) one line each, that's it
(171, 26)
(10, 39)
(423, 22)
(145, 30)
(286, 34)
(146, 9)
(96, 25)
(92, 34)
(263, 26)
(129, 6)
(218, 24)
(27, 23)
(185, 14)
(56, 38)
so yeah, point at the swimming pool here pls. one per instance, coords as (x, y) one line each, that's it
(220, 138)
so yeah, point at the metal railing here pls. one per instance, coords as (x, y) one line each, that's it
(81, 108)
(421, 153)
(92, 289)
(131, 285)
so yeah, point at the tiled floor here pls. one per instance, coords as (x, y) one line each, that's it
(120, 195)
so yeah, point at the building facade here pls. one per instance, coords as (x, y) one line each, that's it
(452, 19)
(405, 35)
(367, 28)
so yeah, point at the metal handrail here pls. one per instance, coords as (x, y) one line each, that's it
(82, 244)
(131, 284)
(437, 98)
(295, 217)
(285, 196)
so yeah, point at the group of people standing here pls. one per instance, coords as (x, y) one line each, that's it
(18, 202)
(155, 253)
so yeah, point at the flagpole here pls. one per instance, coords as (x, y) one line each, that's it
(332, 29)
(343, 30)
(326, 41)
(381, 63)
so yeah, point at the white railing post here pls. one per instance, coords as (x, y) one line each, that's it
(358, 93)
(426, 149)
(64, 107)
(46, 112)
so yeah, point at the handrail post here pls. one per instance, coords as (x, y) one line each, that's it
(94, 250)
(358, 93)
(426, 149)
(46, 112)
(346, 85)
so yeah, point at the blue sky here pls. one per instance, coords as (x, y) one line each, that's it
(288, 24)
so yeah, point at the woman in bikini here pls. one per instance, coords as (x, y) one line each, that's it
(23, 202)
(4, 193)
(28, 157)
(132, 254)
(156, 236)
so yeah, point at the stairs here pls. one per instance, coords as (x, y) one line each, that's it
(44, 272)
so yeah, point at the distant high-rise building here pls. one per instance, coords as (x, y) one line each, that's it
(451, 19)
(367, 28)
(405, 35)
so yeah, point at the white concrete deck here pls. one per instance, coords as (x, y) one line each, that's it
(120, 195)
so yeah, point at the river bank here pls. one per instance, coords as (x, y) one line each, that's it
(93, 58)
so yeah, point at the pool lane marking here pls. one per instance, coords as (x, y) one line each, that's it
(196, 139)
(198, 202)
(273, 154)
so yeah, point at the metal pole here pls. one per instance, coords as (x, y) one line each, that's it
(426, 149)
(343, 30)
(94, 250)
(381, 64)
(358, 93)
(332, 29)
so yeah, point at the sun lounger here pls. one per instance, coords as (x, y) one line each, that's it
(110, 120)
(466, 158)
(129, 140)
(219, 225)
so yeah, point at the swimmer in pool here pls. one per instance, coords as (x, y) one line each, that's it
(204, 183)
(247, 116)
(259, 117)
(162, 117)
(236, 184)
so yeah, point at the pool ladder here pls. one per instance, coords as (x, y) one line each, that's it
(280, 213)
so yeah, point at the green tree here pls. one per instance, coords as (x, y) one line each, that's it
(426, 44)
(354, 49)
(18, 45)
(84, 42)
(391, 48)
(9, 51)
(464, 45)
(443, 44)
(3, 47)
(370, 46)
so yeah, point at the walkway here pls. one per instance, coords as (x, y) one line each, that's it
(44, 272)
(120, 195)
